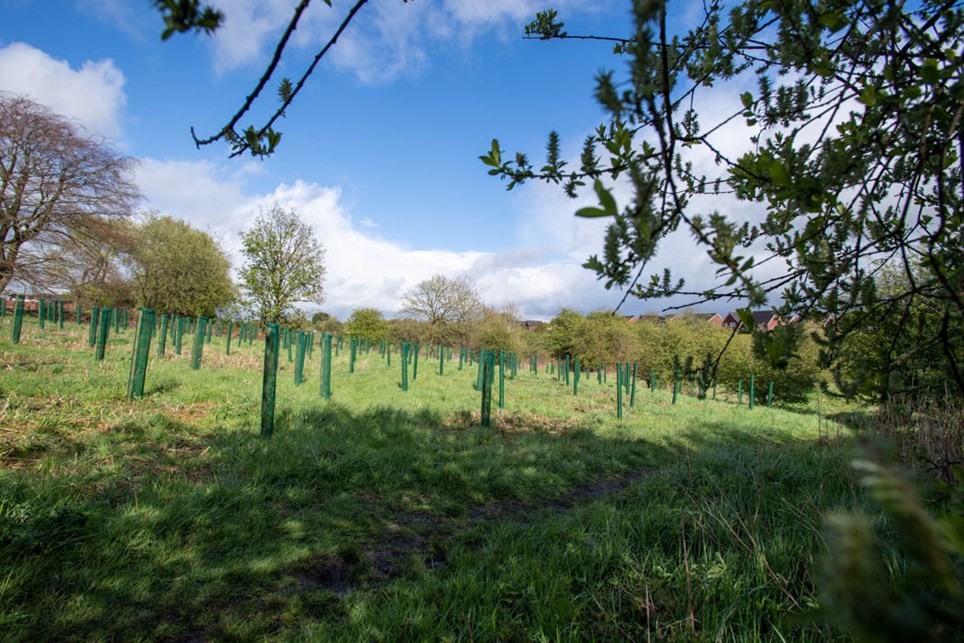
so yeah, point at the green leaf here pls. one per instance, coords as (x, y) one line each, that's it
(929, 72)
(592, 213)
(284, 90)
(746, 316)
(834, 21)
(747, 99)
(868, 95)
(778, 174)
(605, 198)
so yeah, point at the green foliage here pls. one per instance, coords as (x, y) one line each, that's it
(178, 269)
(187, 15)
(922, 599)
(284, 264)
(367, 323)
(498, 331)
(902, 349)
(403, 329)
(564, 328)
(844, 188)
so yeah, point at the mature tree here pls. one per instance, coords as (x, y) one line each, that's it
(561, 336)
(406, 329)
(179, 269)
(88, 262)
(368, 323)
(851, 141)
(284, 264)
(447, 304)
(876, 358)
(54, 178)
(498, 331)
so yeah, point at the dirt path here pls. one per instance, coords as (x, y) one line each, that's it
(417, 535)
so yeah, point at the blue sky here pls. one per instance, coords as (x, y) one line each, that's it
(380, 151)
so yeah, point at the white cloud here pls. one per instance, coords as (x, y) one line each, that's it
(384, 41)
(362, 268)
(92, 95)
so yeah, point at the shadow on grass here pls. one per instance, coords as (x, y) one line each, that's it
(157, 533)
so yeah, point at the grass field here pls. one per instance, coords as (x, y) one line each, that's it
(390, 515)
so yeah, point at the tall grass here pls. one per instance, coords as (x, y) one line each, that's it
(390, 515)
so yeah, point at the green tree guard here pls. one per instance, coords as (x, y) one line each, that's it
(94, 323)
(115, 316)
(752, 401)
(200, 333)
(17, 320)
(552, 368)
(326, 366)
(415, 363)
(102, 335)
(124, 319)
(441, 362)
(481, 372)
(461, 356)
(388, 355)
(487, 372)
(619, 392)
(740, 391)
(227, 344)
(210, 330)
(714, 390)
(142, 349)
(404, 366)
(675, 387)
(310, 342)
(300, 357)
(501, 379)
(162, 335)
(41, 312)
(632, 388)
(179, 335)
(575, 376)
(652, 380)
(288, 346)
(272, 337)
(770, 395)
(60, 314)
(353, 347)
(241, 333)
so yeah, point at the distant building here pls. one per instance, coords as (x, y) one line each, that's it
(761, 319)
(710, 318)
